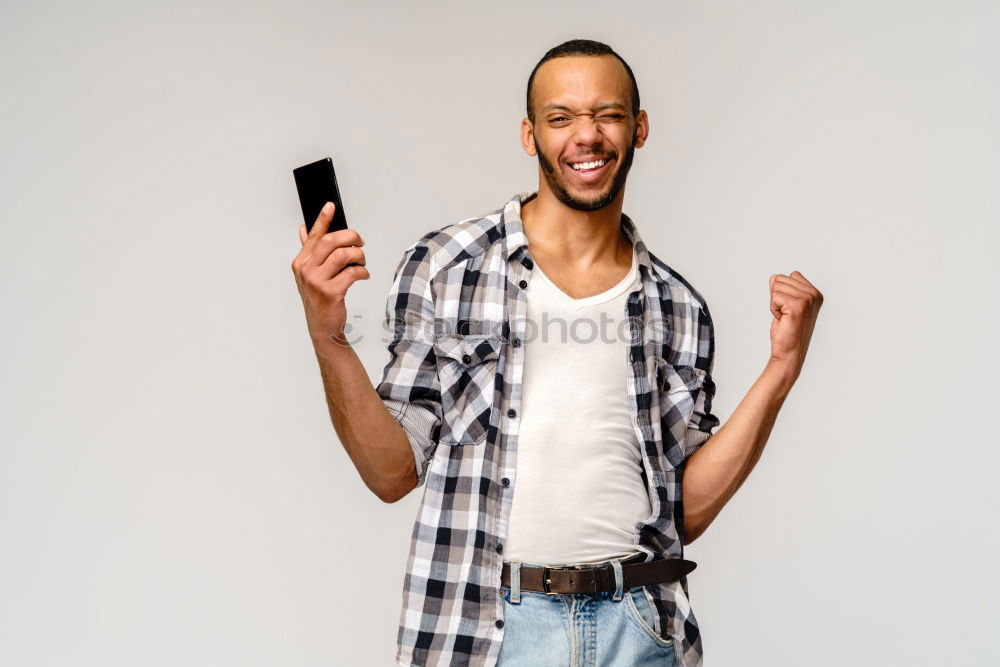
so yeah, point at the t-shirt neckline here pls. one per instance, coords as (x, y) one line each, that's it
(594, 299)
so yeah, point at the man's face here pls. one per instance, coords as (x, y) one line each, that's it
(583, 114)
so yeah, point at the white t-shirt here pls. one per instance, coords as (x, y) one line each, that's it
(578, 491)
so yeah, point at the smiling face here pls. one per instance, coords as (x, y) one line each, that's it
(583, 114)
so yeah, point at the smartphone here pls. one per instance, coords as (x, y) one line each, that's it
(317, 184)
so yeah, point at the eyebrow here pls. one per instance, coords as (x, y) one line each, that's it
(606, 105)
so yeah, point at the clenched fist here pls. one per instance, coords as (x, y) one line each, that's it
(325, 268)
(795, 304)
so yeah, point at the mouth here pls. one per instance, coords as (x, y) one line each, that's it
(590, 170)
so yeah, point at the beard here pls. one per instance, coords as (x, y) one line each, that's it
(558, 185)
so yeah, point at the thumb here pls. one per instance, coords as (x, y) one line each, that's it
(775, 307)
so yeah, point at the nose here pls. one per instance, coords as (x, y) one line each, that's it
(587, 130)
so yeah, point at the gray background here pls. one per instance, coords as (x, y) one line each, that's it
(171, 489)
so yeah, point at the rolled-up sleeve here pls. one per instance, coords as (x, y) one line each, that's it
(703, 422)
(409, 387)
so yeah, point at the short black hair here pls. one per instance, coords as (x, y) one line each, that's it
(581, 47)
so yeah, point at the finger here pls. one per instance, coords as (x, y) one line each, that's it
(322, 249)
(775, 305)
(339, 259)
(789, 291)
(774, 299)
(790, 284)
(789, 304)
(303, 234)
(343, 237)
(322, 223)
(798, 276)
(783, 296)
(343, 280)
(803, 285)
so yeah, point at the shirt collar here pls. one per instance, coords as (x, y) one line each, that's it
(513, 231)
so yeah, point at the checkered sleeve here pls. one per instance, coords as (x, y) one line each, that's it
(703, 422)
(409, 387)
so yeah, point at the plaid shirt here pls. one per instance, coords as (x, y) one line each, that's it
(455, 316)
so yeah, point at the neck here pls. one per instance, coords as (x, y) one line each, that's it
(573, 238)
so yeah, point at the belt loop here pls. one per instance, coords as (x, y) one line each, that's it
(619, 579)
(515, 582)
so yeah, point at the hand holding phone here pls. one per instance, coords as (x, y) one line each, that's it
(326, 266)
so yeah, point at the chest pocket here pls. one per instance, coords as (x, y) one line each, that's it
(678, 388)
(467, 367)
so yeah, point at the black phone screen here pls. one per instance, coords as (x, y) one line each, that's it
(317, 184)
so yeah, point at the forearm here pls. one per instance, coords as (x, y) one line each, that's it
(375, 442)
(714, 473)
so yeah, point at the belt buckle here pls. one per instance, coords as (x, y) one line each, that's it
(546, 581)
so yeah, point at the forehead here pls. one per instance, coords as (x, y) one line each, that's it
(581, 81)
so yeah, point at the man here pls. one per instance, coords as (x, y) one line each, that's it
(553, 518)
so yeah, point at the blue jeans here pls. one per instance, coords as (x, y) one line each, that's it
(576, 629)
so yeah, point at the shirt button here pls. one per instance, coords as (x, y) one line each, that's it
(466, 358)
(499, 623)
(505, 481)
(523, 284)
(499, 548)
(516, 342)
(512, 412)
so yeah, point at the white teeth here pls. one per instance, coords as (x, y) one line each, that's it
(588, 165)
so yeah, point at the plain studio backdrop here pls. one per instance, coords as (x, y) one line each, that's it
(172, 491)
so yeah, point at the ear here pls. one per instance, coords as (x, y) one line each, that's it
(642, 128)
(528, 137)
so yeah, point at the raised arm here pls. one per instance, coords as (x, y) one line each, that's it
(372, 437)
(717, 469)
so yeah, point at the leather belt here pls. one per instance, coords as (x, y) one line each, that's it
(600, 576)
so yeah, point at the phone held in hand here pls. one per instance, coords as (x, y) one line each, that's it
(317, 184)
